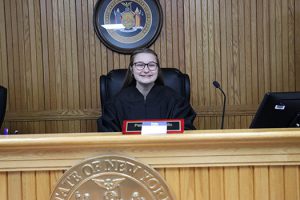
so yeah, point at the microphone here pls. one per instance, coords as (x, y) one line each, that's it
(217, 85)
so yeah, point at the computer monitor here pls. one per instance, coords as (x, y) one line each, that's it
(278, 110)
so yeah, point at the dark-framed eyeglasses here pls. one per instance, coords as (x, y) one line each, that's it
(152, 66)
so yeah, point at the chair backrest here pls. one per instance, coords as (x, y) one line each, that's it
(3, 97)
(111, 83)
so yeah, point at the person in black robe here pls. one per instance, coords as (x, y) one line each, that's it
(144, 96)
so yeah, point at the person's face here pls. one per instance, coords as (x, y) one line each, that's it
(145, 74)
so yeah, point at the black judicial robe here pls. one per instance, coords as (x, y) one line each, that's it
(162, 102)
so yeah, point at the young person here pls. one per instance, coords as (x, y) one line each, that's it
(144, 96)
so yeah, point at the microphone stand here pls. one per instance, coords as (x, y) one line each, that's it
(223, 112)
(217, 85)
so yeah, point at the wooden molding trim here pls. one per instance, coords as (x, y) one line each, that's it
(77, 114)
(191, 149)
(80, 114)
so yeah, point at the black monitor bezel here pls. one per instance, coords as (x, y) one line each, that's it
(260, 116)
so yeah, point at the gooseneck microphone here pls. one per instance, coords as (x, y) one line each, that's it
(217, 85)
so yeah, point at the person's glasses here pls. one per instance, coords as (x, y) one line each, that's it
(152, 66)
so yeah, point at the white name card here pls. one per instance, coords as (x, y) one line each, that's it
(154, 128)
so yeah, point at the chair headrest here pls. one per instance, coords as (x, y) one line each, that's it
(112, 83)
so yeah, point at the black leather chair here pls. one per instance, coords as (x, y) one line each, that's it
(111, 83)
(3, 97)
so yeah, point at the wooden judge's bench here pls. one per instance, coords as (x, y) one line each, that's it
(197, 165)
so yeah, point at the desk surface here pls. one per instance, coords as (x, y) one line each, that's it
(244, 147)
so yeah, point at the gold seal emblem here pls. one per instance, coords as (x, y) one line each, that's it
(111, 177)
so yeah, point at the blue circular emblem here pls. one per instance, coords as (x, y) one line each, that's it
(124, 26)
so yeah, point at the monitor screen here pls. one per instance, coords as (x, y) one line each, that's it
(278, 110)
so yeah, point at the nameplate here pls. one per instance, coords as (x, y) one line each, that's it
(135, 126)
(154, 128)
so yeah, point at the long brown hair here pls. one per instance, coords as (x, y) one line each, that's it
(129, 78)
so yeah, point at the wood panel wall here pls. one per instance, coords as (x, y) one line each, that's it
(51, 59)
(211, 183)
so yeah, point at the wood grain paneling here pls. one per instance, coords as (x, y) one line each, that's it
(51, 58)
(234, 183)
(297, 43)
(197, 165)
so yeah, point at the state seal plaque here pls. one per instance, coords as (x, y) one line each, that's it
(111, 177)
(126, 25)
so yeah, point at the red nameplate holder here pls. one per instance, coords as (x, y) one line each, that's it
(135, 126)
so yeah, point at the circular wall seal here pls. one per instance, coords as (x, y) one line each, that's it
(111, 177)
(124, 26)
